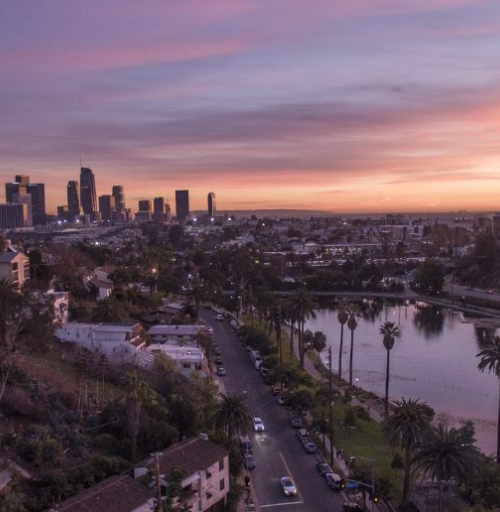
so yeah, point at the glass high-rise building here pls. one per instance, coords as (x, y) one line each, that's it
(88, 193)
(37, 193)
(106, 207)
(211, 204)
(182, 204)
(119, 196)
(73, 194)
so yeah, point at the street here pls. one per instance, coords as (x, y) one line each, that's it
(277, 451)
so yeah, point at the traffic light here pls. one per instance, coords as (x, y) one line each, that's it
(342, 483)
(247, 481)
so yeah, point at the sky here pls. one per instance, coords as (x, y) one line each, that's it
(335, 105)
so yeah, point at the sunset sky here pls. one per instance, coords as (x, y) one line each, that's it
(339, 105)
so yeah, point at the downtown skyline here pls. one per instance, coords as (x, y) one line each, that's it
(325, 105)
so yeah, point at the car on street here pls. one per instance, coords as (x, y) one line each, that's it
(309, 446)
(280, 400)
(276, 391)
(219, 360)
(288, 486)
(220, 317)
(335, 482)
(248, 461)
(221, 372)
(258, 425)
(302, 433)
(323, 468)
(296, 422)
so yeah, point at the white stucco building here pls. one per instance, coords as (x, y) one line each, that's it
(120, 343)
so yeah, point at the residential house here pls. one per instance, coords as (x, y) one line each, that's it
(187, 358)
(119, 493)
(182, 334)
(102, 282)
(14, 266)
(119, 342)
(205, 466)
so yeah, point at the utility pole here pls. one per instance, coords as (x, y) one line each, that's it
(278, 334)
(330, 389)
(159, 503)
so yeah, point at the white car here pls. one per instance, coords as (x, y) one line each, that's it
(288, 486)
(258, 425)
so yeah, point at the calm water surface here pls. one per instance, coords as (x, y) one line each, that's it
(433, 360)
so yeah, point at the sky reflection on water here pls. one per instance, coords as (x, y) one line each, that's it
(433, 360)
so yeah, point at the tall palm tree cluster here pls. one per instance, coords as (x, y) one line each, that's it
(433, 451)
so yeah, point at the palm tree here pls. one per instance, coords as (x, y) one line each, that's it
(445, 456)
(408, 426)
(136, 388)
(342, 317)
(304, 308)
(490, 360)
(231, 416)
(352, 324)
(390, 331)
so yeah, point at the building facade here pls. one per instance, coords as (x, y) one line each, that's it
(211, 204)
(120, 343)
(88, 193)
(15, 267)
(182, 204)
(13, 216)
(73, 195)
(106, 207)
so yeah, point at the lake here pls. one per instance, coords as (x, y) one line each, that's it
(434, 359)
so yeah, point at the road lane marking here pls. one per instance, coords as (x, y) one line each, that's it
(282, 504)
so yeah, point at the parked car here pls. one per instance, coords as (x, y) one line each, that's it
(246, 445)
(276, 390)
(323, 468)
(296, 422)
(220, 317)
(288, 486)
(248, 461)
(218, 360)
(309, 446)
(258, 425)
(280, 400)
(334, 481)
(302, 433)
(221, 372)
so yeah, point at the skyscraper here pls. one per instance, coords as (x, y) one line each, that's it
(73, 193)
(106, 207)
(13, 215)
(159, 208)
(119, 196)
(16, 189)
(88, 194)
(182, 204)
(37, 193)
(211, 204)
(144, 205)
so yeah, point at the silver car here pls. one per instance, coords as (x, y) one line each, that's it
(288, 486)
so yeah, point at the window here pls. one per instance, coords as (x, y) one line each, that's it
(221, 485)
(221, 464)
(209, 475)
(186, 365)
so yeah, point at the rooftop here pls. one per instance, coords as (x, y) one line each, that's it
(115, 494)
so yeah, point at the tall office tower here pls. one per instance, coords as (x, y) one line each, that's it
(88, 194)
(168, 212)
(73, 193)
(63, 213)
(182, 204)
(496, 225)
(25, 199)
(119, 196)
(211, 204)
(37, 193)
(106, 207)
(13, 215)
(15, 190)
(145, 205)
(159, 208)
